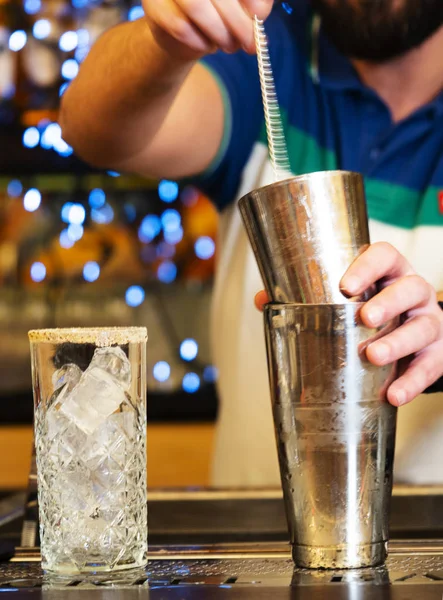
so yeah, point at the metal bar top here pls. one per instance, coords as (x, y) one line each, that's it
(243, 570)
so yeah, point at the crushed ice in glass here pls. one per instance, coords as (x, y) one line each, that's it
(94, 457)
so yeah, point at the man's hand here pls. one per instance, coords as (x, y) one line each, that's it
(418, 342)
(192, 28)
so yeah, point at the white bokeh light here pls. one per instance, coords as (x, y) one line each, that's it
(31, 137)
(70, 68)
(188, 349)
(41, 29)
(161, 371)
(38, 272)
(91, 271)
(32, 200)
(68, 41)
(17, 40)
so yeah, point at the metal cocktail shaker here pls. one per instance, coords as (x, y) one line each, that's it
(305, 233)
(335, 433)
(335, 430)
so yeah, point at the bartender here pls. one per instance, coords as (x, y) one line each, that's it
(176, 94)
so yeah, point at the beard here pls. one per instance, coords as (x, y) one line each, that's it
(379, 30)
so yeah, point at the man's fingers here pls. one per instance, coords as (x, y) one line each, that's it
(204, 15)
(401, 296)
(261, 8)
(237, 21)
(421, 373)
(168, 18)
(379, 261)
(415, 335)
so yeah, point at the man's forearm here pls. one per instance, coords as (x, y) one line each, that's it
(121, 96)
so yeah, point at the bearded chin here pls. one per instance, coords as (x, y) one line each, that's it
(376, 30)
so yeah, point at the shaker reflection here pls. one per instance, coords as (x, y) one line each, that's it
(359, 584)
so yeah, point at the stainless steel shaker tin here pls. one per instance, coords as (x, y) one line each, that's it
(305, 233)
(335, 433)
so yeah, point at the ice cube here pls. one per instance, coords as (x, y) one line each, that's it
(115, 362)
(75, 487)
(124, 424)
(56, 422)
(64, 380)
(118, 429)
(106, 452)
(68, 375)
(93, 399)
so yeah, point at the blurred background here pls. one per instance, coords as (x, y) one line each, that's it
(81, 247)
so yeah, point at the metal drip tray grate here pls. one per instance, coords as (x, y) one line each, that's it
(419, 563)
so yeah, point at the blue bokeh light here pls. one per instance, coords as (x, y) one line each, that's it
(83, 37)
(170, 220)
(70, 68)
(167, 272)
(63, 88)
(68, 41)
(174, 237)
(63, 148)
(41, 29)
(204, 247)
(44, 142)
(136, 12)
(64, 240)
(31, 137)
(287, 7)
(103, 215)
(32, 7)
(161, 371)
(210, 374)
(191, 382)
(80, 3)
(168, 190)
(91, 271)
(15, 188)
(52, 137)
(135, 295)
(32, 200)
(188, 349)
(81, 53)
(97, 198)
(65, 211)
(17, 40)
(75, 232)
(38, 272)
(149, 228)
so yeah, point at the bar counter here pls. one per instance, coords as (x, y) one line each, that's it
(233, 544)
